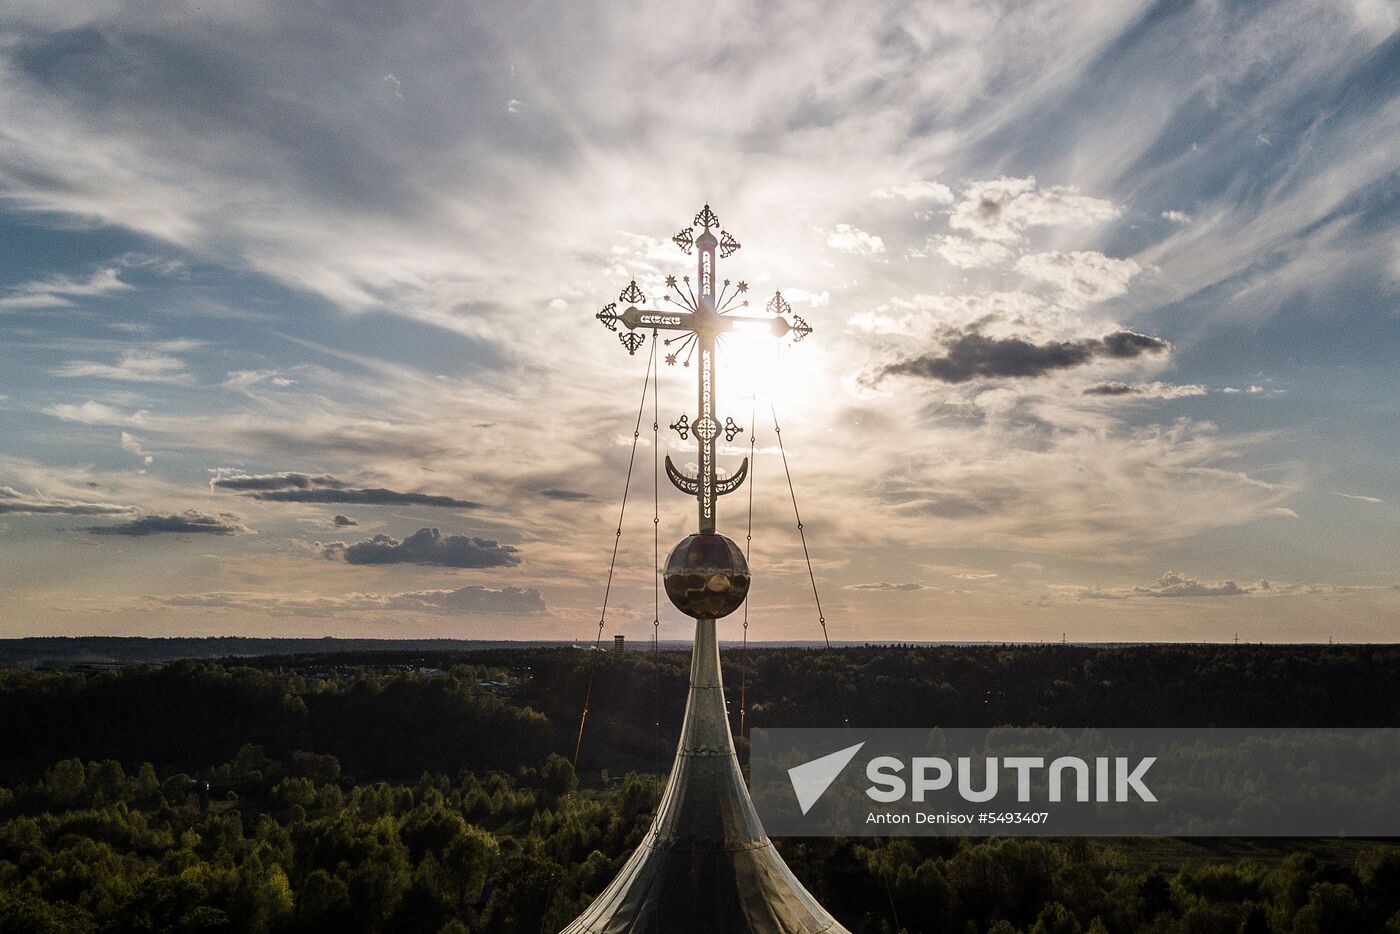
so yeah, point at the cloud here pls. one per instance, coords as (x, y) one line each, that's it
(59, 291)
(1003, 209)
(1176, 217)
(132, 443)
(242, 379)
(1084, 275)
(566, 496)
(474, 599)
(95, 413)
(15, 503)
(964, 253)
(509, 601)
(427, 546)
(137, 366)
(1146, 390)
(1363, 499)
(262, 483)
(975, 356)
(844, 238)
(886, 586)
(937, 192)
(323, 488)
(185, 523)
(342, 522)
(1173, 584)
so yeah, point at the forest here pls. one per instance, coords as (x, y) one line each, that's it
(433, 790)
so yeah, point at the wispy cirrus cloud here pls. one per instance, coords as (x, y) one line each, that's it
(13, 502)
(135, 366)
(61, 291)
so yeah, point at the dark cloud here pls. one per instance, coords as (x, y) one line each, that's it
(190, 522)
(427, 546)
(279, 481)
(976, 356)
(1126, 345)
(15, 503)
(567, 496)
(1146, 390)
(344, 522)
(377, 496)
(1113, 389)
(323, 488)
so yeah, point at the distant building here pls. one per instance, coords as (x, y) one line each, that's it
(619, 643)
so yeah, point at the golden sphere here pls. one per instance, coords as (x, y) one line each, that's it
(707, 576)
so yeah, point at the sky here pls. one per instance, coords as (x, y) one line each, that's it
(297, 334)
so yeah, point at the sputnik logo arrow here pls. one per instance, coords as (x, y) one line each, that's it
(810, 780)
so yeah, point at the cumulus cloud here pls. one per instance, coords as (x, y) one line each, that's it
(847, 239)
(935, 192)
(1177, 217)
(1003, 209)
(886, 586)
(1154, 390)
(427, 546)
(185, 523)
(976, 356)
(342, 522)
(964, 253)
(15, 503)
(1173, 584)
(290, 487)
(1084, 275)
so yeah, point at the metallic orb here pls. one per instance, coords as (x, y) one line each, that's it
(707, 576)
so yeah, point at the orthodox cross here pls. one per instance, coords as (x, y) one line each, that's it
(703, 315)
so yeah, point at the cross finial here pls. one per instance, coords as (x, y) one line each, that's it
(703, 316)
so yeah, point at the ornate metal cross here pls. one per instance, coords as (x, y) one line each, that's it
(704, 314)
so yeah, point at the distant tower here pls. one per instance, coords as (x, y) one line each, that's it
(705, 865)
(619, 643)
